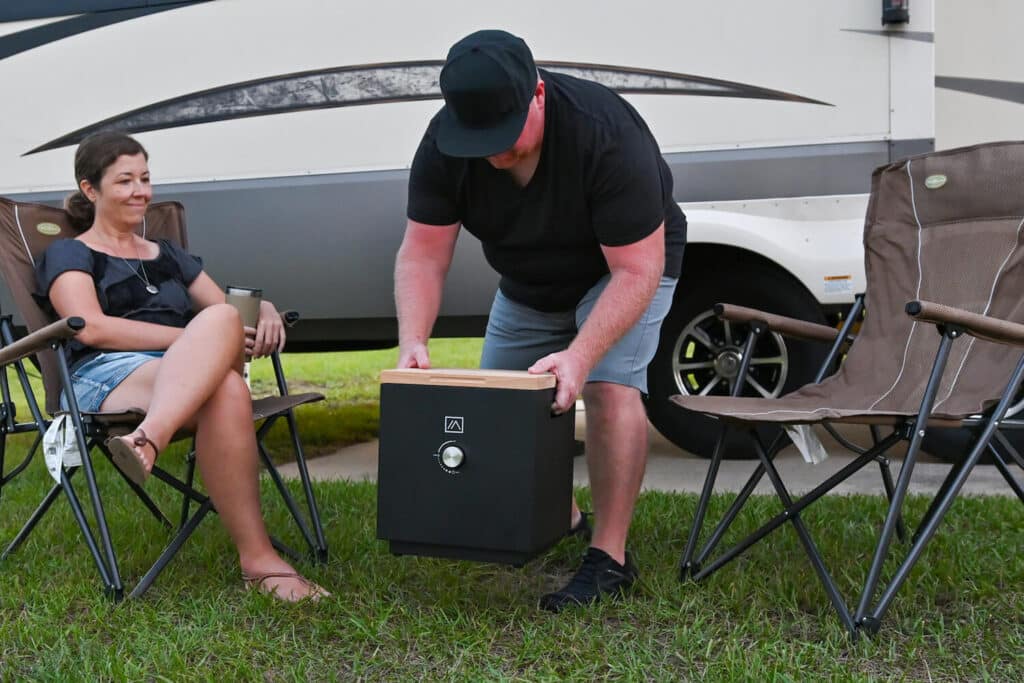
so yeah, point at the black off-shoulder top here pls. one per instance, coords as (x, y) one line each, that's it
(120, 289)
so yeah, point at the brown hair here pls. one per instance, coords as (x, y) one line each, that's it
(94, 155)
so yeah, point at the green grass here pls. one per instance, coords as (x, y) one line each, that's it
(765, 617)
(403, 618)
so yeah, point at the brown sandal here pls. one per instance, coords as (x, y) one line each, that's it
(255, 581)
(126, 459)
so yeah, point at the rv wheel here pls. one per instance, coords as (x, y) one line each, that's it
(953, 445)
(700, 354)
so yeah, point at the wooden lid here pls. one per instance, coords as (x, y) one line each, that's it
(485, 379)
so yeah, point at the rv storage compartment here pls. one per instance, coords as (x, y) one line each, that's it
(472, 464)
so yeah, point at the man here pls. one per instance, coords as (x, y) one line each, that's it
(565, 187)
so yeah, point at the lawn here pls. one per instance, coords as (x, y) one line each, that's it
(960, 617)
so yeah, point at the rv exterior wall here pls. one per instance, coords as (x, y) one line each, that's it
(758, 101)
(979, 92)
(820, 55)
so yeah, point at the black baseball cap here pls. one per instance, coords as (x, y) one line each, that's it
(488, 81)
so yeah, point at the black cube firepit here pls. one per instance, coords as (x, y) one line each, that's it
(472, 464)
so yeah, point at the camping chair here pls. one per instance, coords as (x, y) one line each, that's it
(942, 243)
(25, 232)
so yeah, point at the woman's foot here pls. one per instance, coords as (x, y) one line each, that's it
(283, 583)
(134, 454)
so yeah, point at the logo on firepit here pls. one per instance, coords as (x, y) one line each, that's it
(452, 425)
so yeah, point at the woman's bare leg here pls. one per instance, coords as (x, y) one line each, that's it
(195, 385)
(226, 451)
(187, 375)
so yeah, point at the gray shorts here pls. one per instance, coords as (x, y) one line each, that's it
(97, 377)
(517, 336)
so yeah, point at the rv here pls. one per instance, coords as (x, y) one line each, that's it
(287, 129)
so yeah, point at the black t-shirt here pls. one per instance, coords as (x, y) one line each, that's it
(601, 180)
(119, 290)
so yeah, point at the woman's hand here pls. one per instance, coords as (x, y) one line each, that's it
(268, 335)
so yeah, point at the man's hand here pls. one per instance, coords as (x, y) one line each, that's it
(414, 356)
(570, 372)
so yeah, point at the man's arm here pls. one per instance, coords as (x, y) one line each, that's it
(636, 271)
(420, 269)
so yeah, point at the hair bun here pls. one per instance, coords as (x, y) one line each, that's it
(81, 211)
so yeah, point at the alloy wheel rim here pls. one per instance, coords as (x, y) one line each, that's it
(707, 354)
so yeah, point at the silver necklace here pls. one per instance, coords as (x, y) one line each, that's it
(150, 287)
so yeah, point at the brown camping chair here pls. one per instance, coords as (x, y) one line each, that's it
(25, 232)
(943, 253)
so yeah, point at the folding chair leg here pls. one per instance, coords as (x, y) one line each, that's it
(115, 586)
(807, 499)
(190, 477)
(883, 466)
(951, 476)
(730, 516)
(4, 478)
(320, 549)
(873, 622)
(27, 528)
(1010, 450)
(686, 565)
(738, 503)
(289, 501)
(1000, 464)
(903, 483)
(805, 538)
(111, 580)
(108, 572)
(946, 501)
(285, 549)
(172, 549)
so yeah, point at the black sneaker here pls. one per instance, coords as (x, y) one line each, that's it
(598, 575)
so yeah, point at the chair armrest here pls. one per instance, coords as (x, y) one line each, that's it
(976, 324)
(40, 339)
(791, 327)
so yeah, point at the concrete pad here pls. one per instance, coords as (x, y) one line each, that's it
(669, 468)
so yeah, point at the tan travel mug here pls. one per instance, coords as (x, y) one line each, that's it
(247, 301)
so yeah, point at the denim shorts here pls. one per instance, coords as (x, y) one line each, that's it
(97, 377)
(517, 336)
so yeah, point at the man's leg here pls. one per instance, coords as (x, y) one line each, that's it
(616, 456)
(616, 451)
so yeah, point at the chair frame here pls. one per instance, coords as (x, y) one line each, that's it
(868, 614)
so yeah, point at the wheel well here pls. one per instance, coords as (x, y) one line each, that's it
(702, 257)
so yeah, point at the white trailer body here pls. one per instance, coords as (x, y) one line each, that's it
(287, 129)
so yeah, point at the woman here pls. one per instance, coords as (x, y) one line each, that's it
(159, 336)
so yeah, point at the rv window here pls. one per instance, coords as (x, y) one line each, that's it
(20, 10)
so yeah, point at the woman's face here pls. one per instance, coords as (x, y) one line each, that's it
(124, 191)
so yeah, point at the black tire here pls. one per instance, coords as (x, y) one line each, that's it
(747, 283)
(953, 445)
